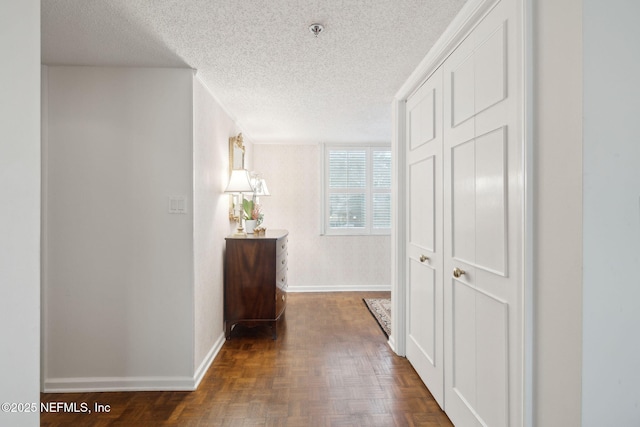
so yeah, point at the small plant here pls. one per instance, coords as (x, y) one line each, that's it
(252, 210)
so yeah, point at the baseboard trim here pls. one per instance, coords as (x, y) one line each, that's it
(101, 384)
(340, 288)
(392, 343)
(105, 384)
(208, 360)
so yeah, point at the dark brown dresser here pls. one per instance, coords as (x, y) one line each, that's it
(255, 279)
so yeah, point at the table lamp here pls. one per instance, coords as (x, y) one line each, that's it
(239, 182)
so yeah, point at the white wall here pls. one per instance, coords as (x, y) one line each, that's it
(212, 129)
(20, 216)
(558, 212)
(118, 277)
(316, 263)
(611, 289)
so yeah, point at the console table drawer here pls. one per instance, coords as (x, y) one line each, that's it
(281, 279)
(282, 245)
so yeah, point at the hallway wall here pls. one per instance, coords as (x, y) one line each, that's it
(557, 201)
(611, 286)
(20, 216)
(118, 267)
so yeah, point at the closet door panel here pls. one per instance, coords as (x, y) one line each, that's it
(422, 205)
(491, 203)
(463, 92)
(422, 328)
(490, 69)
(463, 189)
(492, 360)
(483, 217)
(425, 342)
(461, 375)
(459, 93)
(422, 119)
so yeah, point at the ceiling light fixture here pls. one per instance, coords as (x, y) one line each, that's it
(316, 29)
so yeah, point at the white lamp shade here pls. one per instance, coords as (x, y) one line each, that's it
(261, 188)
(239, 182)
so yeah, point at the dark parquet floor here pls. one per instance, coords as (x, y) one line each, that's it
(330, 366)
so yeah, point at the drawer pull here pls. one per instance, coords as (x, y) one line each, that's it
(457, 272)
(424, 258)
(282, 297)
(284, 246)
(282, 262)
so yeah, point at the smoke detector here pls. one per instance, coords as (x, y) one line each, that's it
(316, 29)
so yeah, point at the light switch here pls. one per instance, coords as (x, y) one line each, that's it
(177, 204)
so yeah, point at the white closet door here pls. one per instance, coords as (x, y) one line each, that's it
(483, 199)
(425, 344)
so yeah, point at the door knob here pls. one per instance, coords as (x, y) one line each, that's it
(457, 272)
(423, 258)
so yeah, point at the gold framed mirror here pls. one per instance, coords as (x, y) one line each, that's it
(236, 161)
(236, 153)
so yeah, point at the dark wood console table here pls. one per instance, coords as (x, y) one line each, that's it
(255, 279)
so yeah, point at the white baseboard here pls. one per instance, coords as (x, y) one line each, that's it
(208, 360)
(103, 384)
(340, 288)
(392, 344)
(100, 384)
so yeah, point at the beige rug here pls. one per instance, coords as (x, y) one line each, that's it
(380, 308)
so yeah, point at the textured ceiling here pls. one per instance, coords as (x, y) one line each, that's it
(258, 57)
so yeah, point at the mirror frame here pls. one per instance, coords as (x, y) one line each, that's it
(236, 154)
(236, 148)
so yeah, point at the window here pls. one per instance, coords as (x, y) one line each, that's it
(357, 189)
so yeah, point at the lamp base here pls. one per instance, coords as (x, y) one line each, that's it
(239, 228)
(240, 231)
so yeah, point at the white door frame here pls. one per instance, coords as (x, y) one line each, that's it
(453, 35)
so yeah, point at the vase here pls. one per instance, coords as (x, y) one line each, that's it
(249, 225)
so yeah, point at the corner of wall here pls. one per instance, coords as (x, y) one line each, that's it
(212, 127)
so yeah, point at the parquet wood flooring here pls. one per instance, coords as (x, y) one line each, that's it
(330, 366)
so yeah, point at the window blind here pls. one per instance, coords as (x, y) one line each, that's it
(357, 190)
(381, 165)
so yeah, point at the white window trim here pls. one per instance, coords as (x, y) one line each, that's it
(325, 230)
